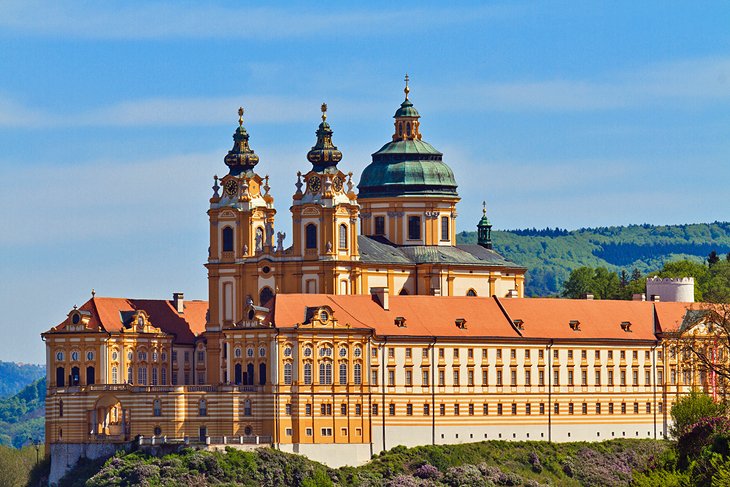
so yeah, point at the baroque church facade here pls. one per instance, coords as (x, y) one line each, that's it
(372, 329)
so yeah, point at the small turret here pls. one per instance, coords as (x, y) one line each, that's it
(406, 119)
(484, 229)
(324, 156)
(241, 158)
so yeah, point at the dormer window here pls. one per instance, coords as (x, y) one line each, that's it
(519, 324)
(460, 323)
(323, 316)
(400, 321)
(575, 325)
(76, 318)
(626, 326)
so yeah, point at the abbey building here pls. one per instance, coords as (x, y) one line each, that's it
(369, 328)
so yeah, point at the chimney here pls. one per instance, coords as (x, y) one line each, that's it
(638, 297)
(178, 302)
(656, 298)
(380, 295)
(512, 293)
(588, 296)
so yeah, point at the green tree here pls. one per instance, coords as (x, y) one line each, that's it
(712, 259)
(624, 278)
(579, 283)
(716, 284)
(636, 275)
(690, 409)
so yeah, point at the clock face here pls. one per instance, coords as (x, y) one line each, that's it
(314, 184)
(231, 187)
(337, 184)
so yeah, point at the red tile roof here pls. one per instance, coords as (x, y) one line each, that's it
(598, 319)
(109, 313)
(671, 315)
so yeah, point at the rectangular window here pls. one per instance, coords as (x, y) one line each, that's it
(542, 408)
(174, 355)
(308, 409)
(326, 431)
(555, 354)
(484, 353)
(163, 376)
(636, 408)
(409, 409)
(499, 409)
(391, 409)
(583, 378)
(375, 409)
(456, 354)
(409, 378)
(610, 355)
(570, 355)
(513, 378)
(570, 377)
(623, 377)
(541, 354)
(308, 432)
(358, 410)
(426, 409)
(598, 408)
(610, 408)
(325, 409)
(379, 225)
(154, 376)
(425, 379)
(374, 378)
(471, 409)
(414, 228)
(470, 353)
(456, 378)
(541, 378)
(424, 353)
(201, 356)
(647, 378)
(598, 377)
(635, 378)
(584, 354)
(409, 352)
(513, 353)
(485, 409)
(445, 228)
(528, 378)
(441, 377)
(343, 409)
(499, 378)
(470, 378)
(528, 409)
(570, 408)
(391, 377)
(556, 378)
(142, 375)
(441, 353)
(623, 408)
(557, 408)
(456, 409)
(514, 408)
(485, 376)
(289, 432)
(391, 352)
(648, 407)
(201, 377)
(610, 377)
(287, 409)
(442, 409)
(499, 354)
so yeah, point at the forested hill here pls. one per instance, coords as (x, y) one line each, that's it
(14, 377)
(551, 254)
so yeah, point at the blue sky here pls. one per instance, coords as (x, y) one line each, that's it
(114, 117)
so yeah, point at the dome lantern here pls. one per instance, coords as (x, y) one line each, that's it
(484, 229)
(324, 156)
(241, 158)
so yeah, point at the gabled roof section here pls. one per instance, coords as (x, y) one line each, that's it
(114, 314)
(425, 316)
(378, 250)
(671, 316)
(581, 319)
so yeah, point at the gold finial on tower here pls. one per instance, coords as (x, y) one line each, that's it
(324, 111)
(406, 90)
(484, 207)
(240, 116)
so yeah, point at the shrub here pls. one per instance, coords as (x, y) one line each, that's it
(690, 409)
(427, 471)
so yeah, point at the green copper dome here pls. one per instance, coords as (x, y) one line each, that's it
(407, 166)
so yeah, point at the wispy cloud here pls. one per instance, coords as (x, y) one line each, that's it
(680, 83)
(146, 20)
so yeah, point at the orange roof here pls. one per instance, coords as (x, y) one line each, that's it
(424, 315)
(112, 314)
(598, 319)
(671, 315)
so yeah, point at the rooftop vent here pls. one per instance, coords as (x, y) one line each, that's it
(575, 325)
(512, 293)
(638, 297)
(178, 302)
(460, 323)
(519, 324)
(588, 296)
(400, 322)
(626, 326)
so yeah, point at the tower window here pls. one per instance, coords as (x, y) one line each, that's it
(228, 239)
(311, 236)
(408, 129)
(414, 228)
(379, 225)
(343, 237)
(445, 228)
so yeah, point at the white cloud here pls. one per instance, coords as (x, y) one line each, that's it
(147, 20)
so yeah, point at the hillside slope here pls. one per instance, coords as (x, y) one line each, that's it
(22, 416)
(14, 377)
(551, 254)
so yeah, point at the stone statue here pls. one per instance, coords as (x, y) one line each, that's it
(259, 240)
(329, 247)
(280, 236)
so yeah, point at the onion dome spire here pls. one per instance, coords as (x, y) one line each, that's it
(484, 229)
(241, 158)
(324, 155)
(406, 119)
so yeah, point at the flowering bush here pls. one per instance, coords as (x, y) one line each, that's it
(427, 471)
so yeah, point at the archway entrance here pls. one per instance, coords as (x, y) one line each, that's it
(108, 420)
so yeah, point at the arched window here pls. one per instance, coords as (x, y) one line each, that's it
(343, 374)
(157, 408)
(262, 374)
(265, 296)
(308, 374)
(75, 376)
(287, 373)
(408, 129)
(90, 376)
(358, 374)
(400, 129)
(249, 375)
(228, 239)
(311, 236)
(115, 374)
(247, 407)
(203, 407)
(471, 292)
(129, 375)
(343, 237)
(60, 377)
(163, 376)
(238, 373)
